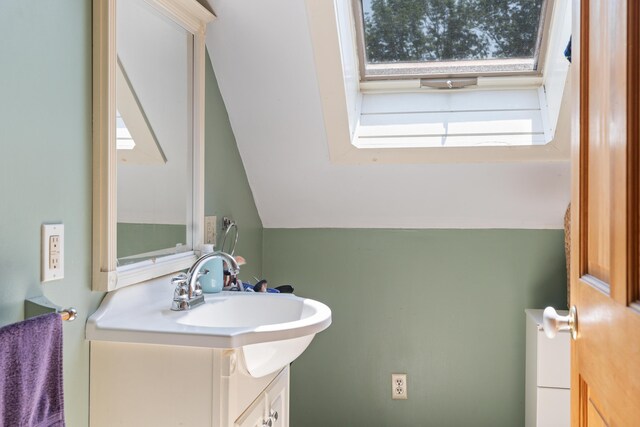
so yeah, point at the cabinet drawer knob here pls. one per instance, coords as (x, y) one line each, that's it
(273, 414)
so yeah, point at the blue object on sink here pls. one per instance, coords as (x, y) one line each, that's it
(213, 281)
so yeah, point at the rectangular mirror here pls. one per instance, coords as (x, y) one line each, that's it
(153, 117)
(148, 138)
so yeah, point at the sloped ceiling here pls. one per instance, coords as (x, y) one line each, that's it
(262, 54)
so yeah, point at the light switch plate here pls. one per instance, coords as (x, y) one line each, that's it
(52, 265)
(210, 230)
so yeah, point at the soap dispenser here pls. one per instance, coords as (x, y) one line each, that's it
(213, 281)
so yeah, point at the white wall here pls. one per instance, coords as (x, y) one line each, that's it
(263, 56)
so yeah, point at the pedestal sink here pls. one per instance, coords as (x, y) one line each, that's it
(270, 330)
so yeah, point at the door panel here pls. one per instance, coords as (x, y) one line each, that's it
(595, 419)
(597, 153)
(605, 370)
(590, 415)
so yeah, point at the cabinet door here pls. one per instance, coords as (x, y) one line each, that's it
(271, 407)
(278, 394)
(255, 415)
(554, 407)
(554, 360)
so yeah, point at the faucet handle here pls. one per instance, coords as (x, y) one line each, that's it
(181, 292)
(179, 279)
(198, 290)
(181, 284)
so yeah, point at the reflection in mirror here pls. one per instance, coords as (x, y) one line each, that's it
(148, 138)
(154, 133)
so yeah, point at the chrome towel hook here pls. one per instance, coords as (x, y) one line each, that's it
(227, 225)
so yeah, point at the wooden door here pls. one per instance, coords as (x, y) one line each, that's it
(605, 357)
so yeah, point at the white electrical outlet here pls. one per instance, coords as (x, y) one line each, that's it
(210, 230)
(52, 252)
(398, 386)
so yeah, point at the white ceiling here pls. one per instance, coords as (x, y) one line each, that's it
(262, 54)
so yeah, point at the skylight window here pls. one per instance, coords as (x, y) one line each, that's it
(447, 38)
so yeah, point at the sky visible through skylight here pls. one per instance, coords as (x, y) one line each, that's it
(450, 30)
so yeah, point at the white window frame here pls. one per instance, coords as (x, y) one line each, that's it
(345, 98)
(452, 69)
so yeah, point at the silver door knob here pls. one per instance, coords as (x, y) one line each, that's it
(552, 322)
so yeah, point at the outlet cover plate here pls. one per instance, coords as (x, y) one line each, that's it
(52, 263)
(399, 386)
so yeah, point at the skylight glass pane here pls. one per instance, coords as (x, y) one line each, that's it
(438, 31)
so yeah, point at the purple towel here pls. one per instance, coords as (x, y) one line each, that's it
(31, 373)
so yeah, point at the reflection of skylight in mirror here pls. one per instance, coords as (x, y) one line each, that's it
(124, 140)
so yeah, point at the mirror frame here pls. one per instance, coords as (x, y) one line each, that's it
(106, 276)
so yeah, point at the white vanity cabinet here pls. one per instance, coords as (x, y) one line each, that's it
(159, 385)
(548, 375)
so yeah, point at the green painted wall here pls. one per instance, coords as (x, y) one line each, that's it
(45, 120)
(227, 189)
(45, 168)
(444, 306)
(136, 239)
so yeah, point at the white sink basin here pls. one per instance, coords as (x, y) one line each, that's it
(242, 310)
(270, 330)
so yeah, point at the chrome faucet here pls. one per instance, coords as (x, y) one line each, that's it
(188, 292)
